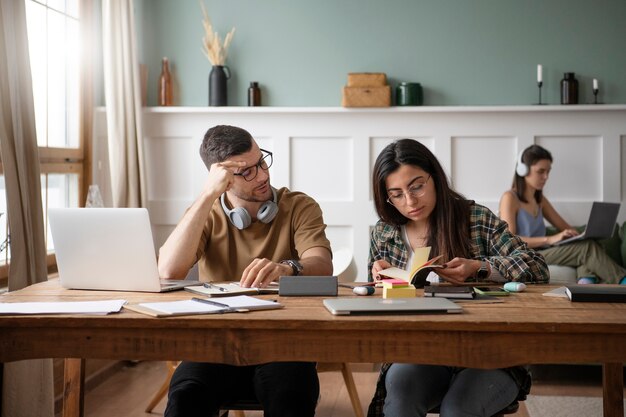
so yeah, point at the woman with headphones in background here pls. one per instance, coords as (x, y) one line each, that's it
(524, 208)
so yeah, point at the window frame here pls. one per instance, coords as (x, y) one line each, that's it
(55, 160)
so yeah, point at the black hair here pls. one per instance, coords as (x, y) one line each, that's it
(530, 156)
(449, 232)
(223, 141)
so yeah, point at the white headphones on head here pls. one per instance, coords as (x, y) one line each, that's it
(521, 168)
(240, 218)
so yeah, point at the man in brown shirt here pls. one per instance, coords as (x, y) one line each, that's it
(240, 228)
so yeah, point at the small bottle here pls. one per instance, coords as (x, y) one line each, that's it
(569, 89)
(165, 84)
(94, 198)
(254, 94)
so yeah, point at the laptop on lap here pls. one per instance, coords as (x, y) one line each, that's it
(107, 249)
(600, 225)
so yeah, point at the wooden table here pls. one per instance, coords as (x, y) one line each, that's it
(527, 328)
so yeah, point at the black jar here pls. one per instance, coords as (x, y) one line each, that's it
(569, 89)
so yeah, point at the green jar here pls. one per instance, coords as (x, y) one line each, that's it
(409, 94)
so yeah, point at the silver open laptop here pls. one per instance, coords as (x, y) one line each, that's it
(600, 225)
(107, 249)
(377, 305)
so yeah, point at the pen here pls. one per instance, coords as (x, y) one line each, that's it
(226, 307)
(209, 285)
(213, 303)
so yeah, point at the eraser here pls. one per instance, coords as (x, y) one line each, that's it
(514, 286)
(363, 290)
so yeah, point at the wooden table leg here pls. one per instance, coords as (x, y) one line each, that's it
(73, 387)
(613, 389)
(1, 383)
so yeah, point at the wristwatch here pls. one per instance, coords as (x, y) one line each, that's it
(294, 264)
(482, 272)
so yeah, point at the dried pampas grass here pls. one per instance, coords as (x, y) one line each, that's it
(212, 45)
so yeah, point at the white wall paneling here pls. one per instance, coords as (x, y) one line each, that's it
(329, 154)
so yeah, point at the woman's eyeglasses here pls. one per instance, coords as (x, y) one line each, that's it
(399, 198)
(264, 163)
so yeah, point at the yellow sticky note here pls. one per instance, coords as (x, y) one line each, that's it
(401, 292)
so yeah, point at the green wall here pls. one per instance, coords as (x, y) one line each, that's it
(463, 52)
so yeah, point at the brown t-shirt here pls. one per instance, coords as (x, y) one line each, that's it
(225, 251)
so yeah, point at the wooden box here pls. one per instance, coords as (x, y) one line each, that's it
(366, 96)
(367, 79)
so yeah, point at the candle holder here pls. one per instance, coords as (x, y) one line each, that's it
(539, 85)
(595, 95)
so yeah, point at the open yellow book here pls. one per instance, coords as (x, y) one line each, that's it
(422, 266)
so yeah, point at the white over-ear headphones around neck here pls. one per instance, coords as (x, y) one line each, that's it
(240, 218)
(521, 168)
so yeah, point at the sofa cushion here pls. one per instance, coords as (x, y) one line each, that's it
(562, 275)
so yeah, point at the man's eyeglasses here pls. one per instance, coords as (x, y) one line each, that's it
(417, 190)
(264, 163)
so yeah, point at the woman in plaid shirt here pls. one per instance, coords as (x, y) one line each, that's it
(417, 208)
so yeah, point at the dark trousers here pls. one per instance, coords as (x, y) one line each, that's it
(285, 389)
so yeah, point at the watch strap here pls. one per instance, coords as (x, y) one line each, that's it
(295, 265)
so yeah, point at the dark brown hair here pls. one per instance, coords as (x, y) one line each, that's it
(223, 141)
(449, 230)
(529, 157)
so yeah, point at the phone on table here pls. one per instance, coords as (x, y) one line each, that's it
(497, 291)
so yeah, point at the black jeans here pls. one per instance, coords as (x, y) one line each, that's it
(285, 389)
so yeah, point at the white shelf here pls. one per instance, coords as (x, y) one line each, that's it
(384, 110)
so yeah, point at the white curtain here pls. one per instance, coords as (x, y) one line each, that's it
(27, 385)
(122, 86)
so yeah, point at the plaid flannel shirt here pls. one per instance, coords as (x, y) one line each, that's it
(490, 239)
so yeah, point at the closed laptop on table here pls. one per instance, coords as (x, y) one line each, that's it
(107, 249)
(600, 225)
(376, 305)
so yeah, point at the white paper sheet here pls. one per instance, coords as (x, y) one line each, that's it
(65, 307)
(557, 292)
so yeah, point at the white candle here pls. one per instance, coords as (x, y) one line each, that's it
(595, 84)
(539, 73)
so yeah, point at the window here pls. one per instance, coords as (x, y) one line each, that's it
(58, 40)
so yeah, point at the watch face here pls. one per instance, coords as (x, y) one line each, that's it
(296, 265)
(482, 271)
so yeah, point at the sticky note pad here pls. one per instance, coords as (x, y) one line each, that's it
(400, 292)
(394, 283)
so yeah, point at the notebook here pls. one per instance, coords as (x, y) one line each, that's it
(107, 249)
(376, 305)
(236, 304)
(597, 293)
(600, 225)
